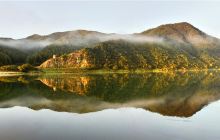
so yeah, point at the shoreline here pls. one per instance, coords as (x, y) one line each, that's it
(98, 71)
(9, 73)
(69, 70)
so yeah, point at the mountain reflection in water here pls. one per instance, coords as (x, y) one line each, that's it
(173, 94)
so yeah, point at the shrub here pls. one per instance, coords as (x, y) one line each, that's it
(26, 68)
(9, 68)
(115, 67)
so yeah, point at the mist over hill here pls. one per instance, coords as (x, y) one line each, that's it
(170, 46)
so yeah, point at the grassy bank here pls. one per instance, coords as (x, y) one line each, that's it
(107, 71)
(10, 73)
(93, 71)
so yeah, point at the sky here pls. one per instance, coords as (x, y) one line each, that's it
(20, 19)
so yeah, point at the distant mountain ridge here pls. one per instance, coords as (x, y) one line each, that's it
(179, 31)
(183, 32)
(68, 37)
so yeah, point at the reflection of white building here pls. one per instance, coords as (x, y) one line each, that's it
(54, 88)
(55, 61)
(78, 59)
(54, 56)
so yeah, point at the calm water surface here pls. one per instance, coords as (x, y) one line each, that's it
(174, 106)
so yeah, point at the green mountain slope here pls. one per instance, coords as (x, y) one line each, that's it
(39, 48)
(183, 46)
(122, 54)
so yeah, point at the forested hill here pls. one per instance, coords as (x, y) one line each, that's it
(120, 54)
(39, 48)
(11, 56)
(170, 46)
(183, 46)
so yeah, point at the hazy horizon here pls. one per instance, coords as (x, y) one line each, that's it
(24, 18)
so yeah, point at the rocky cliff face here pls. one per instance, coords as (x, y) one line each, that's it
(78, 59)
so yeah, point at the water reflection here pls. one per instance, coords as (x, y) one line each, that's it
(21, 123)
(173, 94)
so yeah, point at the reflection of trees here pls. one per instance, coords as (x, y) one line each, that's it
(173, 94)
(180, 94)
(123, 87)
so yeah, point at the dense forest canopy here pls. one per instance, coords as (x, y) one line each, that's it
(40, 56)
(11, 56)
(35, 57)
(121, 54)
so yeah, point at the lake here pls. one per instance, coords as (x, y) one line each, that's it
(174, 106)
